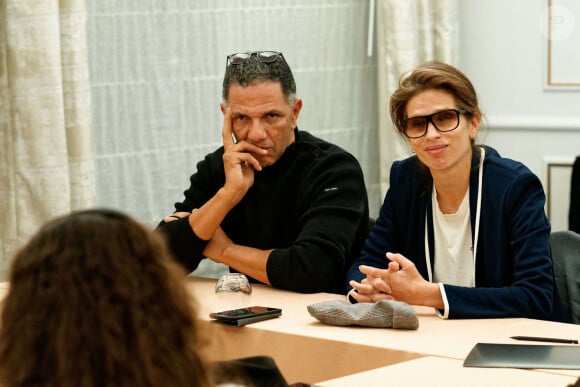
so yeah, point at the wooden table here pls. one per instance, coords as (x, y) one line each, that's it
(309, 351)
(441, 371)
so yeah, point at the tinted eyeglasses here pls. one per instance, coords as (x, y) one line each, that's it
(443, 121)
(262, 56)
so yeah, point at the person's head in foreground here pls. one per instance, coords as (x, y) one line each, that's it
(95, 300)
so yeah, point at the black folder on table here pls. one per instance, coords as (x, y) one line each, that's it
(524, 356)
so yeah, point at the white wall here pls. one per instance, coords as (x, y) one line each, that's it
(504, 52)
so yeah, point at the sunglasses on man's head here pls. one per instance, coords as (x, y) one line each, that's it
(262, 56)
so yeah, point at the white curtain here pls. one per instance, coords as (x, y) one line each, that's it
(409, 33)
(156, 75)
(156, 70)
(46, 158)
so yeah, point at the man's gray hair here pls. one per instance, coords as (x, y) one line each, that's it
(252, 70)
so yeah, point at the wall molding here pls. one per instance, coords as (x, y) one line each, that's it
(562, 39)
(499, 122)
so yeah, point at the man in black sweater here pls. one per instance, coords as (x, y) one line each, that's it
(280, 205)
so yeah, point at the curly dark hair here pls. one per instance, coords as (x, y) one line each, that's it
(95, 300)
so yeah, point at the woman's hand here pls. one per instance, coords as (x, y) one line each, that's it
(365, 292)
(401, 281)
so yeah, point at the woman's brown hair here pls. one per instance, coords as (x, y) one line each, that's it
(433, 75)
(95, 300)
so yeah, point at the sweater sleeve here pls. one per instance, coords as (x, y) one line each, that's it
(332, 227)
(185, 246)
(380, 240)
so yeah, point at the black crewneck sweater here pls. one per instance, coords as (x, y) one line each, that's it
(311, 207)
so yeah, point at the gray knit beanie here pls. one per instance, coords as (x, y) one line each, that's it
(381, 314)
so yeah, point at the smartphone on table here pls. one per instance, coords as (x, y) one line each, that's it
(243, 316)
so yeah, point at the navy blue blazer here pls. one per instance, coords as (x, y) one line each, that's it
(513, 268)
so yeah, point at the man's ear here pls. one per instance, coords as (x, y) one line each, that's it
(296, 112)
(223, 107)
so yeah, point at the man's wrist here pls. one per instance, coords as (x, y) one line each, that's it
(228, 198)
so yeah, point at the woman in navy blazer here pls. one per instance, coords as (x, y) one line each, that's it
(461, 229)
